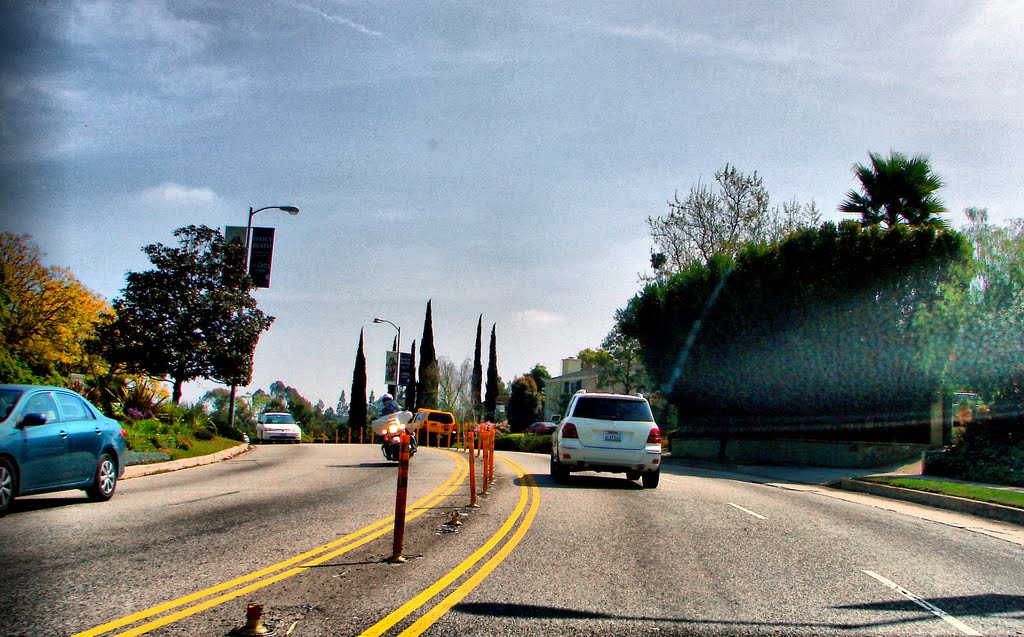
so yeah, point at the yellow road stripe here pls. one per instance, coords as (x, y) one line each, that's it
(419, 507)
(416, 602)
(434, 614)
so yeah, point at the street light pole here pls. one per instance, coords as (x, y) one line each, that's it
(398, 346)
(292, 210)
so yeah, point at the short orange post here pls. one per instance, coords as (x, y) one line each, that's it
(490, 473)
(484, 443)
(335, 436)
(472, 471)
(401, 496)
(350, 435)
(361, 435)
(323, 438)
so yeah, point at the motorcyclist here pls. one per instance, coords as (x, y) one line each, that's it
(391, 406)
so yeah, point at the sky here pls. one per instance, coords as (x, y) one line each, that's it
(499, 159)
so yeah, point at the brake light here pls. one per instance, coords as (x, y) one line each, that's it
(569, 431)
(654, 438)
(124, 434)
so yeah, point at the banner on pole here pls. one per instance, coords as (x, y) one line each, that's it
(391, 368)
(405, 370)
(261, 255)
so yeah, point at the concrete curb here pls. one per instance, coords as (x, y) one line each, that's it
(948, 502)
(139, 470)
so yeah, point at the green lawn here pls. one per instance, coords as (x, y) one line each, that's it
(983, 494)
(204, 447)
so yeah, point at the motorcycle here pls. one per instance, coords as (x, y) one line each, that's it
(390, 429)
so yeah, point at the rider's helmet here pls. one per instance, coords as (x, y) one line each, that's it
(387, 397)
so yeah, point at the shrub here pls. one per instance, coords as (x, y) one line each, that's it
(530, 443)
(990, 450)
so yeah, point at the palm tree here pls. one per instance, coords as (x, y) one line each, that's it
(896, 189)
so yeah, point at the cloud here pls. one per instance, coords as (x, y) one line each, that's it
(102, 21)
(172, 194)
(335, 19)
(704, 44)
(538, 319)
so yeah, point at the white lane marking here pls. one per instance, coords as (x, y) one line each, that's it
(756, 515)
(672, 481)
(932, 608)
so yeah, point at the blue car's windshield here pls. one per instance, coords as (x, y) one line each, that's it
(8, 399)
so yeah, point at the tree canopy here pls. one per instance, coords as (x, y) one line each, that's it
(426, 394)
(721, 219)
(192, 316)
(46, 316)
(525, 404)
(896, 189)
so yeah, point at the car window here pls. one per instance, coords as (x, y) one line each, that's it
(444, 419)
(275, 419)
(8, 399)
(42, 404)
(74, 408)
(603, 408)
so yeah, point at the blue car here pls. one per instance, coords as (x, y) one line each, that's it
(53, 439)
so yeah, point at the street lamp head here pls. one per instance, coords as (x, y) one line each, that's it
(377, 320)
(292, 210)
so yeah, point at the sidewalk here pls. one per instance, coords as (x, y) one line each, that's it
(848, 479)
(139, 470)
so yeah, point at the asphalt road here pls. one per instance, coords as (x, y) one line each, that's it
(302, 530)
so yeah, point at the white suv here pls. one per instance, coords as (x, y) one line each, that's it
(607, 432)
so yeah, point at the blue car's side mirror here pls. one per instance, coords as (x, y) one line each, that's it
(32, 420)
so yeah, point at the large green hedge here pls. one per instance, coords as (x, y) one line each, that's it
(816, 330)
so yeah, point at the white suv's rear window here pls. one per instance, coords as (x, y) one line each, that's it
(605, 408)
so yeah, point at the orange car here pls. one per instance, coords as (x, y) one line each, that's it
(436, 422)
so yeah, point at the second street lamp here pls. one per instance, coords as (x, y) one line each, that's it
(398, 347)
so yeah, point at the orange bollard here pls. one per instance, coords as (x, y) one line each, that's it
(335, 436)
(484, 437)
(350, 435)
(360, 436)
(472, 472)
(401, 496)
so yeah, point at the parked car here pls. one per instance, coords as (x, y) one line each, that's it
(541, 428)
(53, 439)
(278, 427)
(607, 432)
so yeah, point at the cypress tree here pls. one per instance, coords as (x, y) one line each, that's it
(476, 386)
(357, 408)
(491, 399)
(429, 376)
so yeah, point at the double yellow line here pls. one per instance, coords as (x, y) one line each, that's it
(528, 494)
(282, 570)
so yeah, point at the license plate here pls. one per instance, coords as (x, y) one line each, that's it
(613, 436)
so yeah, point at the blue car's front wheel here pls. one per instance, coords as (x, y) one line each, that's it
(6, 485)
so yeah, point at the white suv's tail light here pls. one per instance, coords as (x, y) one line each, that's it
(654, 438)
(569, 431)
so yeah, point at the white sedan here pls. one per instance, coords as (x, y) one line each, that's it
(275, 427)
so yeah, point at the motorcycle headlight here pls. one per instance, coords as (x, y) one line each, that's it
(393, 428)
(384, 431)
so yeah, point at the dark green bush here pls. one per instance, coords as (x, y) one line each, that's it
(529, 443)
(990, 451)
